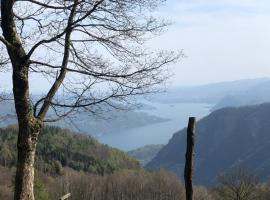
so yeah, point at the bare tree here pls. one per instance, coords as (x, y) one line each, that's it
(93, 50)
(202, 193)
(237, 184)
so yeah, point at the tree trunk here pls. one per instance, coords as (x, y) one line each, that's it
(24, 183)
(25, 173)
(29, 128)
(189, 158)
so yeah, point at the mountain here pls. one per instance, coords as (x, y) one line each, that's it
(227, 138)
(255, 95)
(146, 153)
(210, 93)
(59, 148)
(95, 124)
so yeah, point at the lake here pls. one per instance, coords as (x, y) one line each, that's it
(158, 133)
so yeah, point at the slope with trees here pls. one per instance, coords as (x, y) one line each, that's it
(226, 138)
(59, 148)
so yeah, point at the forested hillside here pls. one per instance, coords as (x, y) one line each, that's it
(62, 148)
(226, 138)
(79, 164)
(125, 184)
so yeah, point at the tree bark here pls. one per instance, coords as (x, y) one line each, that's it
(189, 158)
(24, 188)
(29, 126)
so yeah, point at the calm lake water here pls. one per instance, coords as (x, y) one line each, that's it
(159, 133)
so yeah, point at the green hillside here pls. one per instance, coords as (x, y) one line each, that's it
(146, 153)
(59, 148)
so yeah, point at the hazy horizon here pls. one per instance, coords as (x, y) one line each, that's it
(223, 40)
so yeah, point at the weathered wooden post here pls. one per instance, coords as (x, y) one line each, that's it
(189, 158)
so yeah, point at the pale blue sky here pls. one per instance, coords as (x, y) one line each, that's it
(222, 39)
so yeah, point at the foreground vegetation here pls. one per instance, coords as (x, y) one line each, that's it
(68, 162)
(134, 185)
(121, 185)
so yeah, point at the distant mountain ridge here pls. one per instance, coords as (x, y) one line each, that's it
(257, 94)
(110, 122)
(210, 93)
(226, 138)
(146, 153)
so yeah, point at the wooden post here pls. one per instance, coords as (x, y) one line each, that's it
(65, 196)
(189, 158)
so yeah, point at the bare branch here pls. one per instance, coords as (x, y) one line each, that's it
(46, 5)
(43, 111)
(100, 43)
(5, 42)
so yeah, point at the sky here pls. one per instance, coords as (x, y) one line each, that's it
(222, 40)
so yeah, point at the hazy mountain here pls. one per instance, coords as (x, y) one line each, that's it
(210, 93)
(146, 153)
(110, 122)
(114, 122)
(254, 95)
(227, 137)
